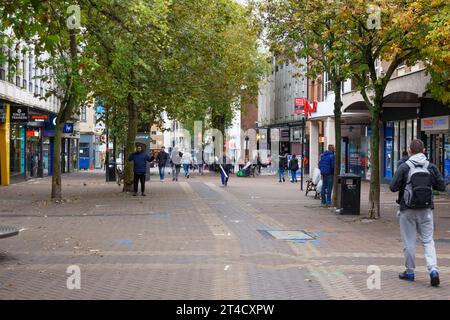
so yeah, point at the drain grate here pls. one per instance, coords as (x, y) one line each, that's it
(287, 235)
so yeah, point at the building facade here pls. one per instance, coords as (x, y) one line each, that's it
(408, 113)
(27, 120)
(92, 139)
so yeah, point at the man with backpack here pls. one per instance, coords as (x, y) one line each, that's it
(417, 178)
(326, 166)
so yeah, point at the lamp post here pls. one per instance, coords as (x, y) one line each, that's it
(304, 118)
(247, 153)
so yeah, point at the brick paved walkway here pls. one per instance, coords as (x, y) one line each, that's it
(196, 240)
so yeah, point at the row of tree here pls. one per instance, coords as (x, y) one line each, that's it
(188, 58)
(347, 38)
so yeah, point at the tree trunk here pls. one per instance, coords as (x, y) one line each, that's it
(337, 131)
(64, 115)
(56, 165)
(130, 144)
(374, 195)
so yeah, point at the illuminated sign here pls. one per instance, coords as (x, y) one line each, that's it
(39, 118)
(436, 124)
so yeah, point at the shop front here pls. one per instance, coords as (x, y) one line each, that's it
(70, 151)
(355, 150)
(437, 137)
(18, 143)
(397, 138)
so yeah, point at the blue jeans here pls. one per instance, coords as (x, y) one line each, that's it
(327, 189)
(281, 173)
(162, 172)
(224, 179)
(186, 169)
(294, 175)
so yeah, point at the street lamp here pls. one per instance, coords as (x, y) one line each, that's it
(247, 153)
(304, 119)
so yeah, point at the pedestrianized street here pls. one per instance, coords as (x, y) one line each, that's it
(197, 240)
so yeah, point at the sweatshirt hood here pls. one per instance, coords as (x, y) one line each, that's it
(418, 159)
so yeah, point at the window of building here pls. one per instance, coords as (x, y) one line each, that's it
(83, 114)
(3, 71)
(326, 85)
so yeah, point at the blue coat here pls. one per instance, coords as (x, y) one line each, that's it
(140, 162)
(326, 164)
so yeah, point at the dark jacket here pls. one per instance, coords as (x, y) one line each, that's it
(401, 177)
(162, 159)
(326, 164)
(283, 162)
(140, 160)
(293, 165)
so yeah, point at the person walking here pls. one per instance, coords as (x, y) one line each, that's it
(162, 159)
(326, 167)
(417, 177)
(140, 159)
(175, 161)
(282, 164)
(186, 161)
(293, 167)
(225, 169)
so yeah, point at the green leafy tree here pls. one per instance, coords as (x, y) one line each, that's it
(45, 26)
(310, 30)
(383, 30)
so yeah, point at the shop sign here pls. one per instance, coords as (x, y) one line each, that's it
(299, 104)
(39, 118)
(285, 135)
(19, 114)
(436, 124)
(68, 128)
(33, 133)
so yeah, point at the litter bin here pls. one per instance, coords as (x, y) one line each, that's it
(111, 172)
(349, 194)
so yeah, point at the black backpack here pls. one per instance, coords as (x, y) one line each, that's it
(419, 187)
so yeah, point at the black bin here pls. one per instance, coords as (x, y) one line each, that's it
(349, 194)
(111, 172)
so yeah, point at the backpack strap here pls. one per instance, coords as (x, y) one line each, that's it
(411, 167)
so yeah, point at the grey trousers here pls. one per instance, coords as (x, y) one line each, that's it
(413, 222)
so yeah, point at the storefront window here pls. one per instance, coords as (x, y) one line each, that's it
(74, 155)
(46, 156)
(17, 150)
(359, 155)
(415, 136)
(403, 137)
(33, 152)
(409, 132)
(397, 151)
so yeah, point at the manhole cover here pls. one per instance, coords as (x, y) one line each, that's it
(289, 235)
